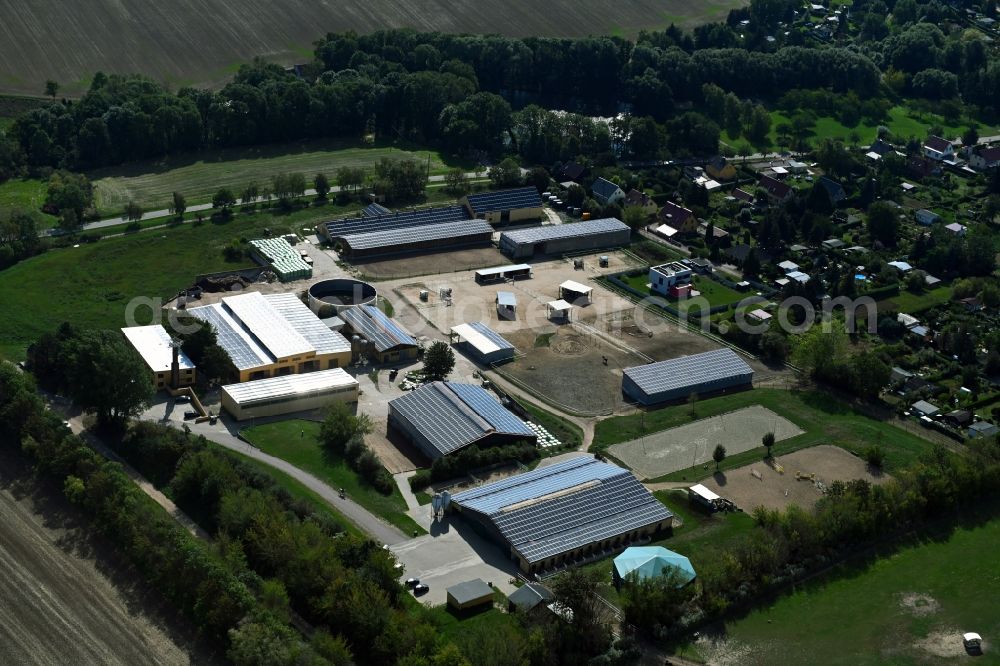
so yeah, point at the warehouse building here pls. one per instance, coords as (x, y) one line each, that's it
(291, 393)
(504, 206)
(678, 378)
(273, 335)
(372, 220)
(563, 238)
(443, 417)
(388, 342)
(562, 514)
(482, 343)
(428, 238)
(281, 257)
(168, 365)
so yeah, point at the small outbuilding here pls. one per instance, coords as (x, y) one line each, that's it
(470, 595)
(483, 343)
(924, 408)
(506, 305)
(503, 273)
(699, 494)
(645, 562)
(528, 597)
(574, 292)
(558, 309)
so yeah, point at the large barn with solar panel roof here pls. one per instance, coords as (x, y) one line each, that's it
(564, 514)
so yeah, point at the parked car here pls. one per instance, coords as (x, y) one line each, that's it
(972, 641)
(412, 582)
(420, 588)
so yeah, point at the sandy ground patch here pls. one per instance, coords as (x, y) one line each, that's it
(944, 643)
(918, 604)
(775, 490)
(427, 264)
(693, 444)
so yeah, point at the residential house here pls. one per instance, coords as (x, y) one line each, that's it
(956, 228)
(938, 149)
(920, 167)
(665, 277)
(571, 171)
(605, 192)
(678, 217)
(642, 200)
(699, 265)
(740, 195)
(880, 147)
(738, 254)
(777, 192)
(719, 168)
(833, 189)
(926, 217)
(898, 376)
(833, 244)
(985, 158)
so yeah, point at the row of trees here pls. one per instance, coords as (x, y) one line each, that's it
(343, 434)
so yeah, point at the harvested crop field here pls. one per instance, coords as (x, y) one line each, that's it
(692, 444)
(566, 365)
(201, 41)
(804, 474)
(65, 598)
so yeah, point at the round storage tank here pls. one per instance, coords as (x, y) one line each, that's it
(330, 297)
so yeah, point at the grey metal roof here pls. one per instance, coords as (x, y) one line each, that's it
(451, 416)
(558, 508)
(396, 237)
(375, 210)
(469, 590)
(528, 596)
(371, 323)
(506, 298)
(308, 325)
(521, 197)
(677, 373)
(571, 230)
(487, 341)
(302, 385)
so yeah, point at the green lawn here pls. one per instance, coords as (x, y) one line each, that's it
(910, 303)
(825, 420)
(285, 440)
(903, 122)
(26, 193)
(198, 176)
(92, 284)
(714, 292)
(858, 615)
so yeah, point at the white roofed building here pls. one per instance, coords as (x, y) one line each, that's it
(289, 393)
(157, 349)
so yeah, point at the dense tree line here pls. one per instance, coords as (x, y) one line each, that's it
(472, 458)
(471, 93)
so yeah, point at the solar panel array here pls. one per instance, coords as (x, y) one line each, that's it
(451, 416)
(308, 325)
(374, 210)
(521, 197)
(395, 220)
(273, 330)
(679, 373)
(571, 230)
(245, 352)
(492, 335)
(289, 386)
(610, 501)
(447, 231)
(371, 323)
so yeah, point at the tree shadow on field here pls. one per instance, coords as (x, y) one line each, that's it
(720, 478)
(824, 403)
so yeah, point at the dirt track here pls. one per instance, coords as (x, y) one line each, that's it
(64, 598)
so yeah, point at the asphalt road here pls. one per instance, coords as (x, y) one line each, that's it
(196, 208)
